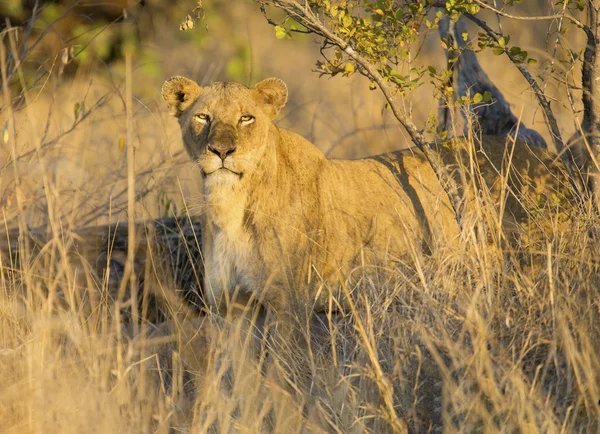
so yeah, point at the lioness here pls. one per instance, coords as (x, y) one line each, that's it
(282, 220)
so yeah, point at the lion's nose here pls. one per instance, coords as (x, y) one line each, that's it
(222, 152)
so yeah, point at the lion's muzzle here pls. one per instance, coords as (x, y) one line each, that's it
(222, 140)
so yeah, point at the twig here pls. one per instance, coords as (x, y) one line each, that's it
(129, 275)
(535, 18)
(131, 192)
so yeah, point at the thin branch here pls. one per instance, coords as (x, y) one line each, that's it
(574, 20)
(274, 24)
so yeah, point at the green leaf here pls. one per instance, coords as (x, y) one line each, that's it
(473, 8)
(477, 98)
(280, 32)
(487, 96)
(531, 61)
(347, 21)
(503, 41)
(498, 51)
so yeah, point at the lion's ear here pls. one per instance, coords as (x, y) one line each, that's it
(179, 93)
(272, 94)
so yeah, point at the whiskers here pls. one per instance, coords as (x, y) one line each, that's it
(244, 163)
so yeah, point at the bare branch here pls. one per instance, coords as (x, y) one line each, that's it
(273, 23)
(535, 18)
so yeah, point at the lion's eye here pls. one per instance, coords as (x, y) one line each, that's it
(246, 119)
(203, 118)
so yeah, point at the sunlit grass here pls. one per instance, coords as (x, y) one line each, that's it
(486, 336)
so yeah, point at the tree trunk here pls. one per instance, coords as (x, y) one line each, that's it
(493, 118)
(590, 77)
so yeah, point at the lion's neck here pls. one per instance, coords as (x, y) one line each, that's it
(225, 205)
(229, 205)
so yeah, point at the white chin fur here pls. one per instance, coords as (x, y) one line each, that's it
(221, 177)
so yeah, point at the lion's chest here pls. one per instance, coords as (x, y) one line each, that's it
(228, 252)
(232, 258)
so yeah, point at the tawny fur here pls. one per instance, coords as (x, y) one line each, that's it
(282, 220)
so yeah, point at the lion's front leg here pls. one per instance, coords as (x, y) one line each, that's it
(225, 291)
(216, 284)
(218, 269)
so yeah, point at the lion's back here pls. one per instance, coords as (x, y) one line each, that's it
(526, 183)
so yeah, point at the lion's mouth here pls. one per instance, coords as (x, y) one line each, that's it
(221, 169)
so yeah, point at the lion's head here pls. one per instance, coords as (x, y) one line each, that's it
(225, 125)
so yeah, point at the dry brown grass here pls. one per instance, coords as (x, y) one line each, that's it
(478, 339)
